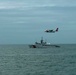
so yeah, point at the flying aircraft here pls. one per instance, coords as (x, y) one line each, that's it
(52, 31)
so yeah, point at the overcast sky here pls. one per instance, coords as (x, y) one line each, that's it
(24, 21)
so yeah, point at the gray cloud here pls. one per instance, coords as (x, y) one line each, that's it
(34, 17)
(35, 3)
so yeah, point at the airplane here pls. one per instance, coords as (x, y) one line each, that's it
(52, 31)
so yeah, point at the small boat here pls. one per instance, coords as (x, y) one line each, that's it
(42, 44)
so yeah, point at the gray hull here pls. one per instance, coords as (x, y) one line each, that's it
(43, 46)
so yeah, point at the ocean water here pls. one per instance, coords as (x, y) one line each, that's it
(22, 60)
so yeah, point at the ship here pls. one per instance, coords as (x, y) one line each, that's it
(42, 44)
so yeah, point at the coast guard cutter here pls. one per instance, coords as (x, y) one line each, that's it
(42, 44)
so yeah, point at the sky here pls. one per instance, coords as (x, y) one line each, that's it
(24, 21)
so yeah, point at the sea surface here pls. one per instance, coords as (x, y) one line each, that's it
(22, 60)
